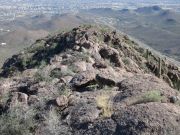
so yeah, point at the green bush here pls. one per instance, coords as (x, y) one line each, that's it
(126, 61)
(17, 122)
(151, 96)
(42, 75)
(57, 73)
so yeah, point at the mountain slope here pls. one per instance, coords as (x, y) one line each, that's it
(90, 80)
(159, 28)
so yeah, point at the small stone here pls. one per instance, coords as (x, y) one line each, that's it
(173, 99)
(80, 66)
(62, 101)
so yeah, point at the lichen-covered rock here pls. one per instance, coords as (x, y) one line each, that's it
(146, 119)
(140, 85)
(99, 127)
(83, 114)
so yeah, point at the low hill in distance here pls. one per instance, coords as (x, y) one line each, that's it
(24, 31)
(90, 80)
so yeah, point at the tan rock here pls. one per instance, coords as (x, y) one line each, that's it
(80, 66)
(62, 101)
(18, 97)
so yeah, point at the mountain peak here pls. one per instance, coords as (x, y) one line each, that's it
(148, 10)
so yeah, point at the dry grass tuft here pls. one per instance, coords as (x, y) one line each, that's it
(104, 103)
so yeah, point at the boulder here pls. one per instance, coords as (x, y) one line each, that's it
(18, 97)
(100, 64)
(105, 79)
(83, 114)
(143, 84)
(83, 79)
(148, 119)
(99, 127)
(108, 76)
(111, 54)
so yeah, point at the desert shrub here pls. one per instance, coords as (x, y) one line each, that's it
(52, 121)
(4, 97)
(93, 87)
(103, 102)
(151, 96)
(53, 124)
(17, 122)
(64, 90)
(36, 47)
(126, 61)
(57, 73)
(82, 56)
(42, 75)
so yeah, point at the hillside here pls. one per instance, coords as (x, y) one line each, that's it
(90, 80)
(24, 31)
(157, 27)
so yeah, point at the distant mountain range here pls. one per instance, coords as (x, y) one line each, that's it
(157, 27)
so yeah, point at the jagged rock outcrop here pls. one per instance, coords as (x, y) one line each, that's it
(92, 81)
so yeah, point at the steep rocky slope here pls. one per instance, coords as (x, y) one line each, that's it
(91, 80)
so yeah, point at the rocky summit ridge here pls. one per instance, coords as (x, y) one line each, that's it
(91, 80)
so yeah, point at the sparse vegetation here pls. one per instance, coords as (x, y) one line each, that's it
(17, 122)
(64, 90)
(151, 96)
(42, 75)
(57, 73)
(104, 103)
(126, 61)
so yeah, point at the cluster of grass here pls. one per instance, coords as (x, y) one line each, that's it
(53, 124)
(17, 122)
(57, 73)
(126, 61)
(42, 75)
(151, 96)
(103, 102)
(64, 90)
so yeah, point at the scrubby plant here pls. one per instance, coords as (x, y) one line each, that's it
(17, 122)
(4, 97)
(126, 61)
(53, 124)
(52, 121)
(64, 90)
(42, 75)
(93, 87)
(151, 96)
(57, 73)
(104, 103)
